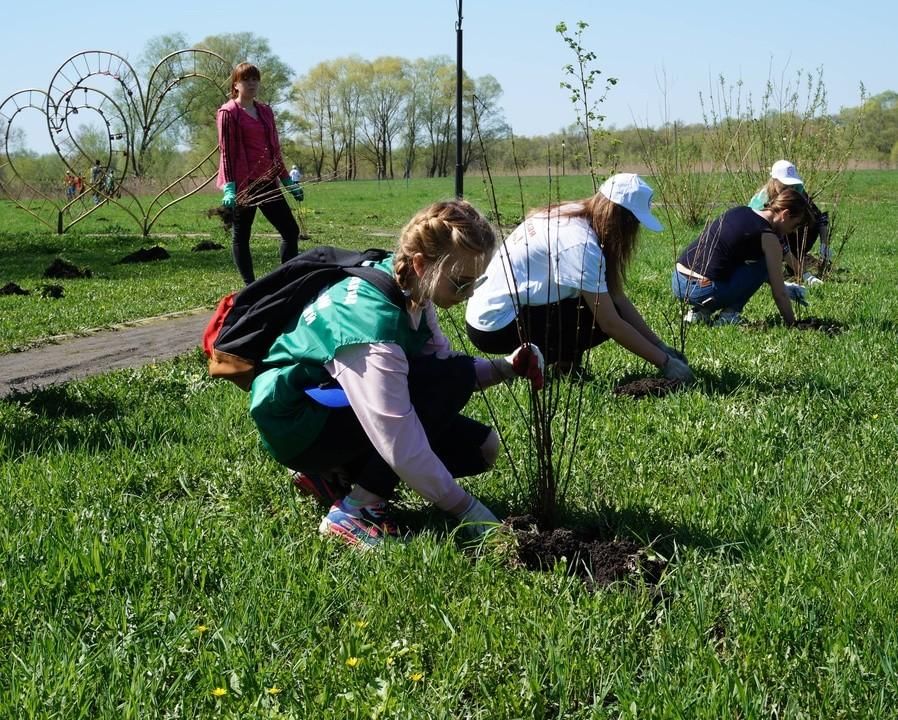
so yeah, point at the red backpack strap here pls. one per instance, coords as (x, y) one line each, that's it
(210, 334)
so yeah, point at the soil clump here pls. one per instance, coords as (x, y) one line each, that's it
(12, 289)
(61, 269)
(646, 387)
(53, 292)
(597, 561)
(206, 245)
(145, 255)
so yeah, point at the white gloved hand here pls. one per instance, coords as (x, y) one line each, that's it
(797, 293)
(811, 279)
(671, 351)
(526, 362)
(675, 369)
(477, 520)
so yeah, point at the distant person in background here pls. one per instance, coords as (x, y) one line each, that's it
(69, 186)
(295, 174)
(735, 254)
(96, 178)
(558, 281)
(250, 166)
(783, 174)
(79, 186)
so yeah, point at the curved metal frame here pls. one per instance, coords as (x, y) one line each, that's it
(137, 112)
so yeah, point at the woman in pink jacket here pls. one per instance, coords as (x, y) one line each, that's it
(250, 167)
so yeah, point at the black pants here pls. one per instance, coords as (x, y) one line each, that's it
(277, 212)
(439, 390)
(562, 330)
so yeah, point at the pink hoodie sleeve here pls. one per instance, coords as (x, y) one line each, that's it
(375, 379)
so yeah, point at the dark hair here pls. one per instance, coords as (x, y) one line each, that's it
(794, 201)
(244, 71)
(616, 227)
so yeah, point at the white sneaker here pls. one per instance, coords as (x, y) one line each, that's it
(728, 317)
(697, 316)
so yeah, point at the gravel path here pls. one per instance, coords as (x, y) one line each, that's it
(130, 345)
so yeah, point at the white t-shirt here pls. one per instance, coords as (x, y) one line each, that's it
(295, 175)
(548, 259)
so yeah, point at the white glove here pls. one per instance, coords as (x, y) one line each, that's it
(675, 369)
(526, 362)
(811, 279)
(797, 293)
(477, 520)
(671, 351)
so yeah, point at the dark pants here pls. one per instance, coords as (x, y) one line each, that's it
(439, 390)
(277, 212)
(562, 330)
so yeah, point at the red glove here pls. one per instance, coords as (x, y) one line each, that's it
(527, 362)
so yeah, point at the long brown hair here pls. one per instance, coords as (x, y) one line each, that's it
(788, 198)
(616, 228)
(244, 71)
(438, 232)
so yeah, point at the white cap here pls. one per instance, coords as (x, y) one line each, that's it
(295, 168)
(631, 191)
(785, 172)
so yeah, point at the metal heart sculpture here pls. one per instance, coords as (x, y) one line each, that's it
(38, 196)
(133, 125)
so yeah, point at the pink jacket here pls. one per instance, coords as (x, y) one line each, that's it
(233, 165)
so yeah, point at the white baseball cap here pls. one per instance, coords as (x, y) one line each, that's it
(631, 191)
(785, 172)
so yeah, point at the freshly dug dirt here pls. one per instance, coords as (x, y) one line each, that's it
(61, 269)
(54, 292)
(830, 327)
(206, 245)
(647, 387)
(225, 214)
(598, 562)
(12, 289)
(145, 255)
(824, 325)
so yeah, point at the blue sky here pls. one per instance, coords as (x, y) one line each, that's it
(648, 46)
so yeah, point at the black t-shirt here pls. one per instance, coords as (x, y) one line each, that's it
(728, 241)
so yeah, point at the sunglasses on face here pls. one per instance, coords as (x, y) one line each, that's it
(462, 285)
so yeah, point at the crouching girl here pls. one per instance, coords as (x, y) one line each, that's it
(399, 387)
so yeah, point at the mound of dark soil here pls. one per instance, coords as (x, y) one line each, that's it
(61, 269)
(54, 292)
(225, 214)
(598, 562)
(647, 387)
(829, 327)
(12, 289)
(145, 255)
(206, 245)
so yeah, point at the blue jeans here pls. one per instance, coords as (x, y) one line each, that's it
(730, 294)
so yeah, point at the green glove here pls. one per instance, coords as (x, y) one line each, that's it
(294, 188)
(229, 199)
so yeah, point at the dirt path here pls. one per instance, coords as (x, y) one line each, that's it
(129, 345)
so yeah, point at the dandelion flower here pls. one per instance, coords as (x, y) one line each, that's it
(416, 677)
(390, 661)
(200, 629)
(274, 690)
(361, 624)
(219, 692)
(352, 662)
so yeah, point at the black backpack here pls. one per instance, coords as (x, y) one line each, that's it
(247, 322)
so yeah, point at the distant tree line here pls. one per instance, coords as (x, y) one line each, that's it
(391, 117)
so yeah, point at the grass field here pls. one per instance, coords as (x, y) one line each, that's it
(155, 563)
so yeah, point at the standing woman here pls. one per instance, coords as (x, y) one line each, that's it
(250, 166)
(403, 388)
(558, 281)
(735, 254)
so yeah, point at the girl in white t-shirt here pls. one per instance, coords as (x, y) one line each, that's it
(558, 280)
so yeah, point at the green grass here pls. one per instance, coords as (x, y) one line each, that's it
(151, 552)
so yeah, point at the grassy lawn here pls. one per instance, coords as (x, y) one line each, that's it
(152, 553)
